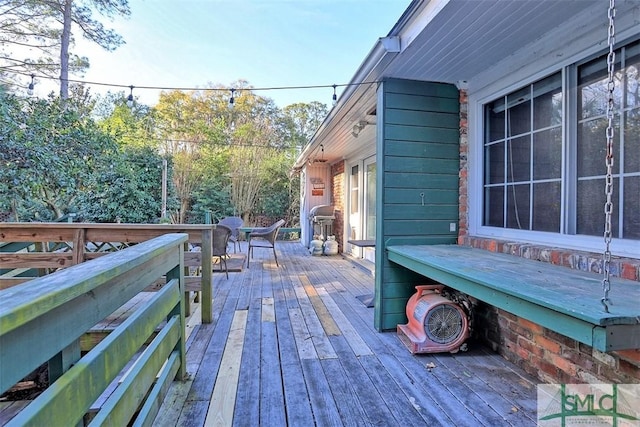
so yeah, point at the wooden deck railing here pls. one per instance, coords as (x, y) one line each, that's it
(43, 319)
(53, 246)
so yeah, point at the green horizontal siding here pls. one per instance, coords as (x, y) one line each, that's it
(398, 211)
(420, 134)
(420, 88)
(421, 149)
(422, 103)
(417, 182)
(422, 164)
(417, 227)
(407, 181)
(422, 118)
(399, 195)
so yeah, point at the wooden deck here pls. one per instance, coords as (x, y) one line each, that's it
(295, 346)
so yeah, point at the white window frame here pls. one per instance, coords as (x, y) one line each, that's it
(477, 101)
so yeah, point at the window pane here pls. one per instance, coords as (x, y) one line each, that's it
(494, 163)
(518, 206)
(355, 191)
(592, 89)
(519, 112)
(631, 228)
(633, 75)
(547, 102)
(494, 206)
(632, 141)
(519, 159)
(546, 206)
(592, 147)
(547, 154)
(590, 207)
(494, 114)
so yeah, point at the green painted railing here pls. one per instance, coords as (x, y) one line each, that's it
(42, 320)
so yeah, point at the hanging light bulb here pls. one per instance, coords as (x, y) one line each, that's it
(30, 88)
(130, 97)
(335, 97)
(232, 100)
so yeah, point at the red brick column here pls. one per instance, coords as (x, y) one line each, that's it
(463, 216)
(337, 199)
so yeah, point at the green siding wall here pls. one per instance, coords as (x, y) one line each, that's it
(417, 154)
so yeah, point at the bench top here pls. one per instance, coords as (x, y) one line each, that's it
(572, 292)
(363, 243)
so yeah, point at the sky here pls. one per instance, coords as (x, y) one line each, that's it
(269, 43)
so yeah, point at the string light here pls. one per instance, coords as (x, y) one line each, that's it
(335, 97)
(130, 97)
(232, 100)
(169, 88)
(30, 88)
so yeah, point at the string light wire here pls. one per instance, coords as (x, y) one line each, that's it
(206, 89)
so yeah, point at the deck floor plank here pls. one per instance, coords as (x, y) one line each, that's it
(351, 411)
(272, 403)
(223, 399)
(298, 405)
(376, 410)
(325, 408)
(311, 356)
(248, 395)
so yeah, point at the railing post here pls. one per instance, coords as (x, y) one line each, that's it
(187, 294)
(178, 273)
(61, 362)
(207, 275)
(78, 245)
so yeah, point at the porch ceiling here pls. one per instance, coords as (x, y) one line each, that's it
(445, 41)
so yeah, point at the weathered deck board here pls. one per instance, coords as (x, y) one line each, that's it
(311, 356)
(223, 400)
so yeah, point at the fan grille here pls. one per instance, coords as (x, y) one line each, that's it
(443, 324)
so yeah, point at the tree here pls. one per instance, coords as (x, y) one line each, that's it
(50, 151)
(129, 190)
(233, 160)
(301, 121)
(185, 122)
(35, 32)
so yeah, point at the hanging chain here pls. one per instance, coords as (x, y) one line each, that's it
(608, 189)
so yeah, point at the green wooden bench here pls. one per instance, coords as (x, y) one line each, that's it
(561, 299)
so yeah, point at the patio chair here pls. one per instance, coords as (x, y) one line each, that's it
(264, 238)
(221, 235)
(234, 223)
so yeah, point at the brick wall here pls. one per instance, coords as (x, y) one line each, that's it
(549, 356)
(463, 224)
(337, 199)
(627, 268)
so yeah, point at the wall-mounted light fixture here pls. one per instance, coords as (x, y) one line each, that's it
(358, 126)
(391, 44)
(320, 159)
